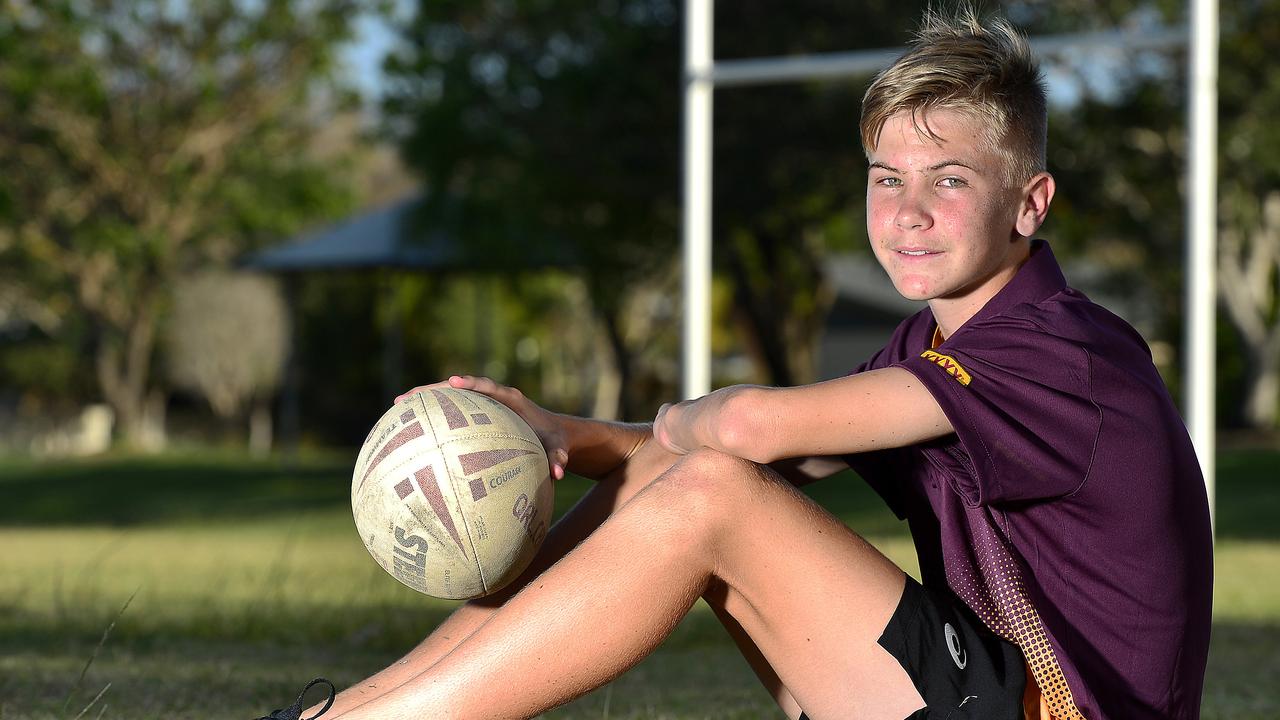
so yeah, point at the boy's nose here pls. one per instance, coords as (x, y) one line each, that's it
(912, 216)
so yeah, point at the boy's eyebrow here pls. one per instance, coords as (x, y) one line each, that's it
(949, 163)
(931, 168)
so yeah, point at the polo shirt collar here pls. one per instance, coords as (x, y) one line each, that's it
(1038, 279)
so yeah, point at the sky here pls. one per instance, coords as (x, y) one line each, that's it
(374, 39)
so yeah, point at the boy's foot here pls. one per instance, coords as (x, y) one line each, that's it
(294, 711)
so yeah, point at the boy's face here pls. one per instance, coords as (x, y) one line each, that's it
(940, 218)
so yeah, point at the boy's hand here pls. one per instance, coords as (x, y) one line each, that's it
(667, 430)
(713, 421)
(545, 423)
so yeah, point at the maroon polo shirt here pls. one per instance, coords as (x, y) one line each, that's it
(1067, 510)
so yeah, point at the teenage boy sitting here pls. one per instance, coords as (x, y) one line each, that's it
(1052, 493)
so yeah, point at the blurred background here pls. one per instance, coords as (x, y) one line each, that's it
(231, 231)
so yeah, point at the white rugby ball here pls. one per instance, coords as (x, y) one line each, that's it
(452, 493)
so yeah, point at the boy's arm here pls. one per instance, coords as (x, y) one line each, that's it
(598, 447)
(586, 447)
(868, 411)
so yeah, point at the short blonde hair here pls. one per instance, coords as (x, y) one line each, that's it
(958, 63)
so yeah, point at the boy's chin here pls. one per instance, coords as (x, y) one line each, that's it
(914, 292)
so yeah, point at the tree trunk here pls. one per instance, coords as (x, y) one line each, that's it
(612, 396)
(1249, 285)
(260, 428)
(758, 314)
(1262, 384)
(123, 363)
(152, 435)
(782, 333)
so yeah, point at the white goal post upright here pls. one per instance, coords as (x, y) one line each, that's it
(698, 88)
(1202, 239)
(702, 74)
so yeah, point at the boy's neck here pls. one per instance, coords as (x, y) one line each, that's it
(950, 313)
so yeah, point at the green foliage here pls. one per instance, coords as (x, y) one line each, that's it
(531, 330)
(143, 139)
(1120, 159)
(48, 369)
(559, 117)
(563, 119)
(549, 129)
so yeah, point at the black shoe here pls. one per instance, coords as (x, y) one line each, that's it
(294, 711)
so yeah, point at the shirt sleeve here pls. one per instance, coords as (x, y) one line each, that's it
(1020, 401)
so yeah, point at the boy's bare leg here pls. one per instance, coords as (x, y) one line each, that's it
(716, 596)
(811, 595)
(612, 492)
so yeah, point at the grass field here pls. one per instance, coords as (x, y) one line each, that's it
(221, 585)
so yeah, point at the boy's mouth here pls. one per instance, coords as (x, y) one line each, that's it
(916, 252)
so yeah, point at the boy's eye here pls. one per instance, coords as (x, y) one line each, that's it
(890, 182)
(952, 182)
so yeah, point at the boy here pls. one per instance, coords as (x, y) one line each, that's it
(1052, 493)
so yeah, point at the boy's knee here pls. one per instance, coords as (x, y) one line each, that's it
(707, 488)
(712, 464)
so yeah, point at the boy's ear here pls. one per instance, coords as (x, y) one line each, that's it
(1036, 196)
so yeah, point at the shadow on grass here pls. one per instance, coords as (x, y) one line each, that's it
(138, 490)
(1248, 494)
(173, 489)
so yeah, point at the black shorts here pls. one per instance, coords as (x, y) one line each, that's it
(961, 669)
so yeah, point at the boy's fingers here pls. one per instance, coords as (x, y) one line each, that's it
(478, 383)
(506, 395)
(557, 457)
(559, 461)
(421, 388)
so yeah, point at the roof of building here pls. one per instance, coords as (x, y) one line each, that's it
(411, 234)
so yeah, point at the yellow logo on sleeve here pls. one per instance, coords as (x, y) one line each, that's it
(948, 363)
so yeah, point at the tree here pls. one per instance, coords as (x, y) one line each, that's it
(141, 139)
(563, 119)
(1119, 156)
(1249, 266)
(1249, 219)
(555, 119)
(791, 173)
